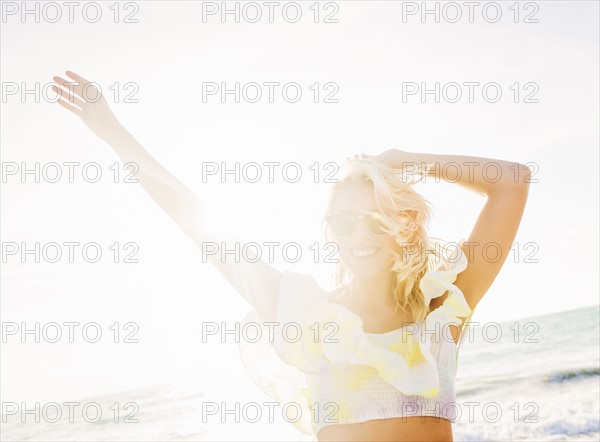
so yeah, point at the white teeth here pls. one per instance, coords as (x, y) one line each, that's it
(364, 252)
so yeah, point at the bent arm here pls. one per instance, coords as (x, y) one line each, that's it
(505, 185)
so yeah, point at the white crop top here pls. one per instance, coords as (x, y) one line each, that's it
(321, 365)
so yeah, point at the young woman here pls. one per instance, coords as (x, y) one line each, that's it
(398, 313)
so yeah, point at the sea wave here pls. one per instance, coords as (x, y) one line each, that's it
(571, 375)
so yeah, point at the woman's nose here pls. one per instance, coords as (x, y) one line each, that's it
(361, 230)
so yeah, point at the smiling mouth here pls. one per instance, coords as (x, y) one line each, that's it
(365, 252)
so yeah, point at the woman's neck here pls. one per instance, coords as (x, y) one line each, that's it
(374, 293)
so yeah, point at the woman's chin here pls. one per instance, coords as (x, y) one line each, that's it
(366, 270)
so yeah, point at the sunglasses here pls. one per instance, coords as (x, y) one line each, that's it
(344, 224)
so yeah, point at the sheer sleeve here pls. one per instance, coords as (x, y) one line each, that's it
(277, 362)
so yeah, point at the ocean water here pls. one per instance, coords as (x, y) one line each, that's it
(529, 379)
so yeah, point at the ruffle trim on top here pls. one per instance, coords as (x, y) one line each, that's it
(333, 337)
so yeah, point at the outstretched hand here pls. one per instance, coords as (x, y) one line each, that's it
(85, 100)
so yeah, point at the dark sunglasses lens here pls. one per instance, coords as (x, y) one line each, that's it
(342, 225)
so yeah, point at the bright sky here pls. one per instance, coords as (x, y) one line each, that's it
(368, 54)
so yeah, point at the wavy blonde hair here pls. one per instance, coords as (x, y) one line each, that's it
(406, 216)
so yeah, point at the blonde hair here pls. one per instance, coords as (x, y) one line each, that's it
(406, 217)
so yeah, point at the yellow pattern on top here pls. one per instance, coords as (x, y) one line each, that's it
(333, 339)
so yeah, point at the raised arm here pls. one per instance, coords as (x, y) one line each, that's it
(504, 184)
(256, 282)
